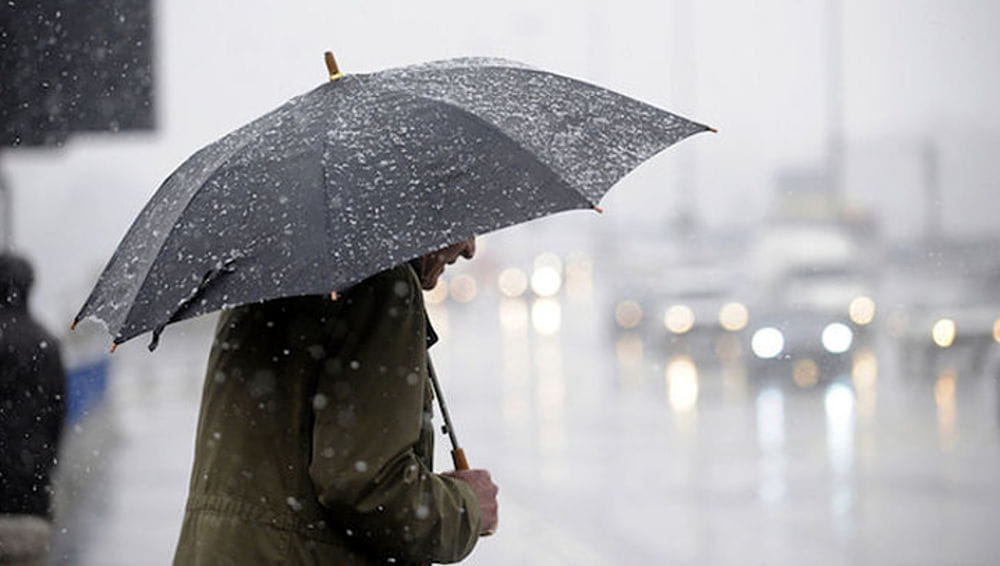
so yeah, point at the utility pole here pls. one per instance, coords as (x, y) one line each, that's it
(932, 191)
(834, 97)
(683, 80)
(6, 215)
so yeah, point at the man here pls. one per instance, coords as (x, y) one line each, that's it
(32, 409)
(315, 443)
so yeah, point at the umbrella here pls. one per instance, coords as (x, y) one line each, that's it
(365, 172)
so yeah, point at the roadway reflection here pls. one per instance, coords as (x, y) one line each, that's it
(839, 405)
(944, 399)
(770, 408)
(809, 427)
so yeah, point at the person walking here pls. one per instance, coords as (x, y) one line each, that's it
(32, 410)
(315, 442)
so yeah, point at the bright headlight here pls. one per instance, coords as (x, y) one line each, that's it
(767, 342)
(943, 332)
(837, 338)
(679, 319)
(733, 316)
(862, 310)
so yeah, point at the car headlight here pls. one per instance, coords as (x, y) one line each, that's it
(679, 319)
(943, 332)
(837, 338)
(767, 342)
(733, 316)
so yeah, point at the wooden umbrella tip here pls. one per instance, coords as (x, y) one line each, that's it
(331, 66)
(333, 296)
(114, 346)
(72, 327)
(711, 129)
(597, 209)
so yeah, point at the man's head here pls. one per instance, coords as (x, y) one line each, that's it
(429, 267)
(16, 278)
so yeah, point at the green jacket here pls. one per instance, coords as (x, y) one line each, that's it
(315, 440)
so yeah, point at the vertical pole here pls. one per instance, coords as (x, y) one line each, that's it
(834, 97)
(932, 191)
(683, 82)
(6, 214)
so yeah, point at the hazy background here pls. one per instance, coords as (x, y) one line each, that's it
(910, 72)
(887, 110)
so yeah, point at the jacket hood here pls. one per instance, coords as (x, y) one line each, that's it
(16, 278)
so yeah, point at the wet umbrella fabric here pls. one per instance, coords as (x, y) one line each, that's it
(364, 173)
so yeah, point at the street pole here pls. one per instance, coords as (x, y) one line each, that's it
(932, 191)
(834, 97)
(683, 74)
(6, 214)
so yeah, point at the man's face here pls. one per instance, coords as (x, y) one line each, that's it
(432, 264)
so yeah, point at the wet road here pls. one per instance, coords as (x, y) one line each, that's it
(608, 453)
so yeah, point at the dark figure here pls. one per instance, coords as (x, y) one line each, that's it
(315, 439)
(32, 409)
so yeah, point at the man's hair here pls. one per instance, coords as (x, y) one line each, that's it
(16, 279)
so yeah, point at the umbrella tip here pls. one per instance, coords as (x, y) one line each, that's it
(331, 66)
(114, 346)
(597, 209)
(333, 296)
(711, 129)
(72, 327)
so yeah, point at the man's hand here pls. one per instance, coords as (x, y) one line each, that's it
(486, 491)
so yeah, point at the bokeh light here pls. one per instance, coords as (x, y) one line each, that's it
(682, 383)
(546, 316)
(463, 288)
(767, 342)
(943, 332)
(862, 310)
(864, 369)
(837, 338)
(628, 314)
(734, 316)
(546, 279)
(944, 399)
(679, 319)
(512, 282)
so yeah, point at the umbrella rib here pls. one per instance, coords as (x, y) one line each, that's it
(121, 336)
(493, 127)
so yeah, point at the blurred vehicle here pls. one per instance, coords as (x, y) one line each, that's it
(684, 298)
(816, 282)
(948, 313)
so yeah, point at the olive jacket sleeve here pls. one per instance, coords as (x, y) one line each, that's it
(368, 411)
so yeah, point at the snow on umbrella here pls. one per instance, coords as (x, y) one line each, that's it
(363, 173)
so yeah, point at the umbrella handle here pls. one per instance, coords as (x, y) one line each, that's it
(458, 458)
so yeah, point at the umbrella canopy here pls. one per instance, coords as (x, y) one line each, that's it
(366, 172)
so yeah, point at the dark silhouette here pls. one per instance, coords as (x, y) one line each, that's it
(32, 409)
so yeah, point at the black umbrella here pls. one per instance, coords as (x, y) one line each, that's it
(366, 172)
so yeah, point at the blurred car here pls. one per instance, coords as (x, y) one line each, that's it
(812, 324)
(948, 313)
(684, 300)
